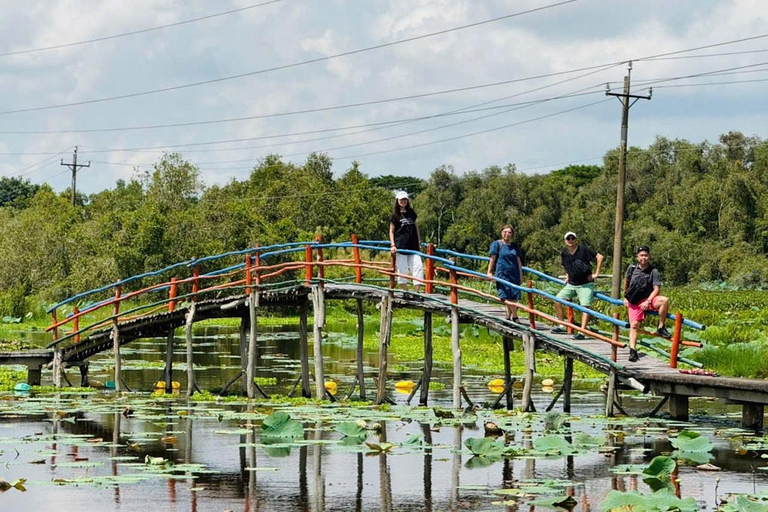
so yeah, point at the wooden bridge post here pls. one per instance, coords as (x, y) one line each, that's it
(253, 299)
(569, 313)
(427, 375)
(169, 340)
(567, 384)
(116, 341)
(455, 341)
(529, 347)
(678, 407)
(304, 350)
(507, 347)
(56, 353)
(318, 297)
(188, 335)
(360, 352)
(610, 393)
(752, 415)
(385, 328)
(57, 367)
(243, 337)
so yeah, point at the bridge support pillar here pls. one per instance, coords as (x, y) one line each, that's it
(427, 375)
(508, 392)
(118, 361)
(678, 407)
(190, 353)
(243, 336)
(529, 347)
(169, 362)
(752, 416)
(567, 384)
(385, 331)
(610, 394)
(360, 351)
(84, 374)
(250, 371)
(57, 368)
(318, 297)
(34, 374)
(306, 390)
(456, 348)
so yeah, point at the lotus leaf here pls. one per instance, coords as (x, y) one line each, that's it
(688, 441)
(484, 447)
(279, 424)
(553, 445)
(660, 501)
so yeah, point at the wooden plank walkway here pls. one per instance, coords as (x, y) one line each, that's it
(653, 372)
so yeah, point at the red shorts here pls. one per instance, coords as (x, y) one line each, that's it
(636, 313)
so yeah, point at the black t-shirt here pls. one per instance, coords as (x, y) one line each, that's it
(641, 283)
(577, 265)
(405, 231)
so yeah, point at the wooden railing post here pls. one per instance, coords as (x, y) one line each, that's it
(195, 282)
(570, 320)
(531, 316)
(76, 323)
(677, 335)
(430, 269)
(308, 261)
(248, 274)
(55, 329)
(356, 256)
(454, 291)
(172, 294)
(320, 268)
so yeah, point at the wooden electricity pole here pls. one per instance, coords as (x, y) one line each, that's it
(74, 166)
(618, 231)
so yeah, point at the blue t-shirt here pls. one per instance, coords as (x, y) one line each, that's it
(506, 260)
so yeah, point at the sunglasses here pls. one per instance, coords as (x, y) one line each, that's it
(570, 238)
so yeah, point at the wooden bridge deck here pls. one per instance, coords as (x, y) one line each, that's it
(652, 372)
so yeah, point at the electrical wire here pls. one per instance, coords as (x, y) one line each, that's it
(136, 32)
(289, 66)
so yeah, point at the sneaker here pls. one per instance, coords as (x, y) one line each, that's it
(579, 336)
(633, 357)
(558, 330)
(663, 332)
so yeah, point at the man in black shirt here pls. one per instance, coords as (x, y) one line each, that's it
(579, 280)
(641, 293)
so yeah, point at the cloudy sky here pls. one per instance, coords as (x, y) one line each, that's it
(573, 49)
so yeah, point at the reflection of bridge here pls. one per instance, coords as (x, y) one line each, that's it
(157, 303)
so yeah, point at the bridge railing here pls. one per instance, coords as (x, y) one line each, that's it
(282, 266)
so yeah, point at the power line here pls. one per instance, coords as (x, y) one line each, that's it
(658, 56)
(708, 55)
(383, 124)
(473, 134)
(289, 66)
(136, 32)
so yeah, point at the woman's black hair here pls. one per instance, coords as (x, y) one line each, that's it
(396, 210)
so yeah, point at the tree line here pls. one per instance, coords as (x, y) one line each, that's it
(702, 207)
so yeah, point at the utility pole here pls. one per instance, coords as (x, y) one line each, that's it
(74, 166)
(618, 230)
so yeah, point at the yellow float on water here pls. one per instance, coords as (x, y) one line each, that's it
(548, 383)
(496, 389)
(161, 385)
(495, 383)
(331, 387)
(405, 384)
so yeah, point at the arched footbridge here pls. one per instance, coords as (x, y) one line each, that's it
(305, 275)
